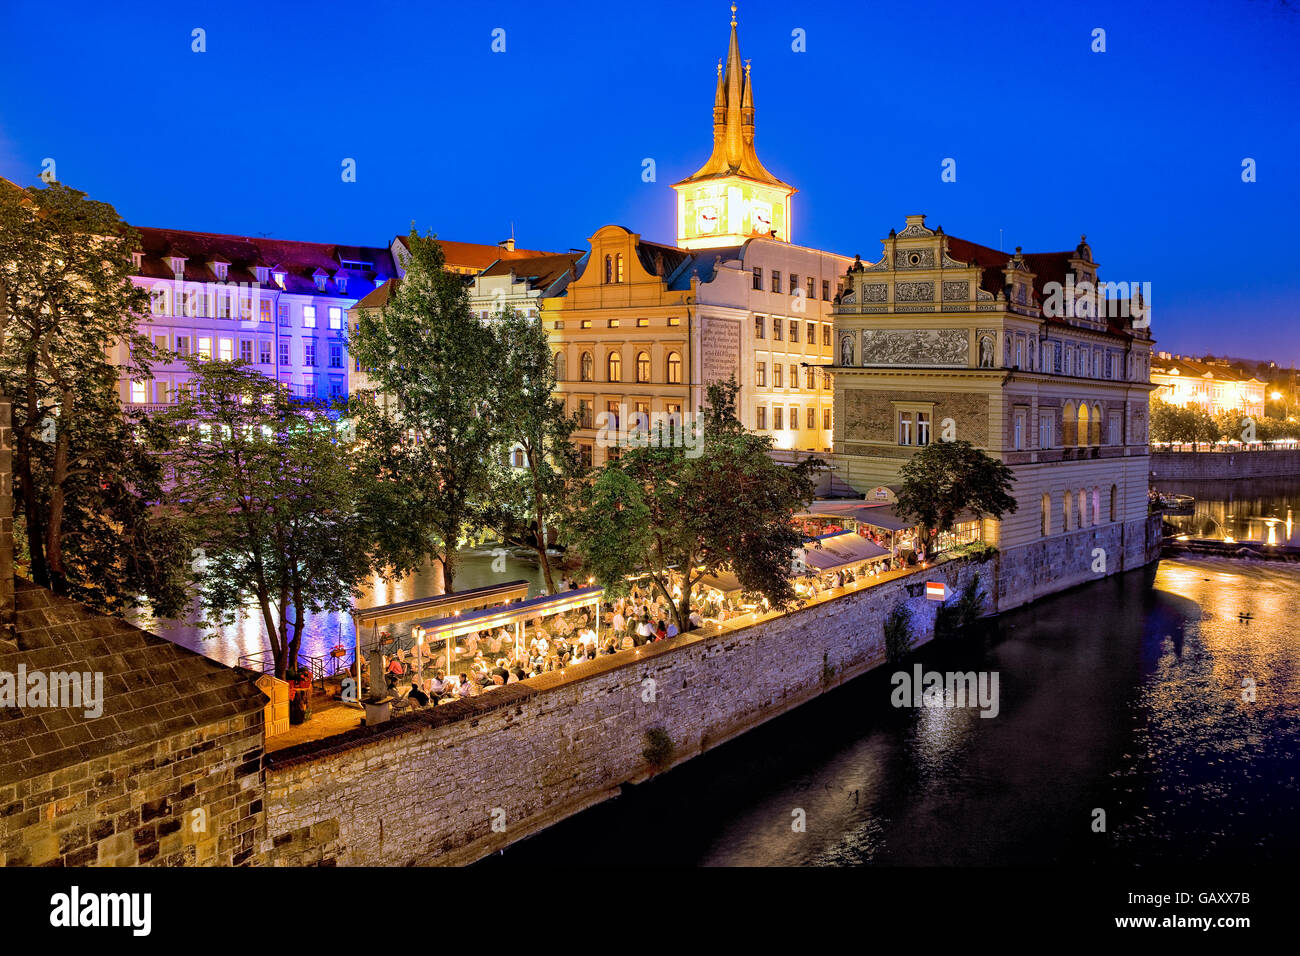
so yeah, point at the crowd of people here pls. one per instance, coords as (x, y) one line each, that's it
(485, 660)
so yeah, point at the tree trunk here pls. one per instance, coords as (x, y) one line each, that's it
(32, 510)
(58, 499)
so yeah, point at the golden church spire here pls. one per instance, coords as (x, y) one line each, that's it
(733, 162)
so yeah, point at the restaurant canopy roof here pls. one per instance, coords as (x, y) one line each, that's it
(488, 618)
(838, 550)
(726, 582)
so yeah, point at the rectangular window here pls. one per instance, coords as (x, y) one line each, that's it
(672, 320)
(778, 417)
(760, 327)
(760, 375)
(794, 283)
(812, 333)
(613, 323)
(612, 409)
(284, 314)
(309, 353)
(826, 290)
(139, 392)
(264, 352)
(776, 281)
(643, 323)
(760, 418)
(794, 418)
(794, 376)
(336, 388)
(758, 278)
(182, 345)
(1019, 358)
(778, 375)
(826, 336)
(809, 374)
(905, 428)
(776, 330)
(205, 347)
(1044, 431)
(264, 311)
(923, 428)
(246, 351)
(826, 419)
(584, 413)
(812, 419)
(336, 318)
(585, 323)
(284, 352)
(336, 355)
(160, 341)
(812, 288)
(309, 316)
(226, 350)
(1018, 431)
(794, 331)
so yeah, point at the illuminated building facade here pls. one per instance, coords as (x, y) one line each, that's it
(946, 339)
(646, 327)
(1213, 387)
(278, 305)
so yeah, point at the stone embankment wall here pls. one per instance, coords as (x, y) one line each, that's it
(1203, 465)
(460, 781)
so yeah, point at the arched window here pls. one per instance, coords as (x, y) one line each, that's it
(1114, 503)
(560, 367)
(1069, 426)
(618, 267)
(1067, 510)
(1096, 505)
(1047, 515)
(643, 366)
(1083, 425)
(1083, 508)
(674, 368)
(615, 367)
(587, 366)
(609, 268)
(1094, 434)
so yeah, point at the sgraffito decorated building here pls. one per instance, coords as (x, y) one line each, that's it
(947, 339)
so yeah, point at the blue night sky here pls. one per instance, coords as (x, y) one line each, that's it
(1140, 147)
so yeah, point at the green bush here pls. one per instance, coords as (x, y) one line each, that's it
(659, 748)
(898, 634)
(962, 613)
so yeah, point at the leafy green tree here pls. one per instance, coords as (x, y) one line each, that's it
(84, 473)
(264, 489)
(657, 510)
(524, 503)
(945, 478)
(427, 442)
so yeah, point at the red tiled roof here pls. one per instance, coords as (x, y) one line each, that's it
(540, 271)
(477, 256)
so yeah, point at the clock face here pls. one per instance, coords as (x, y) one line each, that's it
(706, 220)
(761, 216)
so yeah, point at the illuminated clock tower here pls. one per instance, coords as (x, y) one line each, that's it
(732, 197)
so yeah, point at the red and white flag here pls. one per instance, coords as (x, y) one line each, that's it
(936, 590)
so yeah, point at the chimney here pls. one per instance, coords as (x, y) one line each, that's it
(8, 613)
(507, 244)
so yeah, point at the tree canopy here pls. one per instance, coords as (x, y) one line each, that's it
(945, 478)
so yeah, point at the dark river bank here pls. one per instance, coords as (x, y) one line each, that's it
(1116, 696)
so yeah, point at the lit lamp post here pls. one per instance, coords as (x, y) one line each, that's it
(419, 666)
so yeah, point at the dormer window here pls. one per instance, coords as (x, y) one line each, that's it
(320, 283)
(262, 273)
(279, 277)
(177, 264)
(220, 270)
(341, 282)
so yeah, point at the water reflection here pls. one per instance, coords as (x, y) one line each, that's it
(323, 631)
(1120, 695)
(1260, 509)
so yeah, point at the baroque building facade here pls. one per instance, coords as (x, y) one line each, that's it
(644, 328)
(947, 339)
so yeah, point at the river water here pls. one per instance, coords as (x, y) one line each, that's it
(1123, 696)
